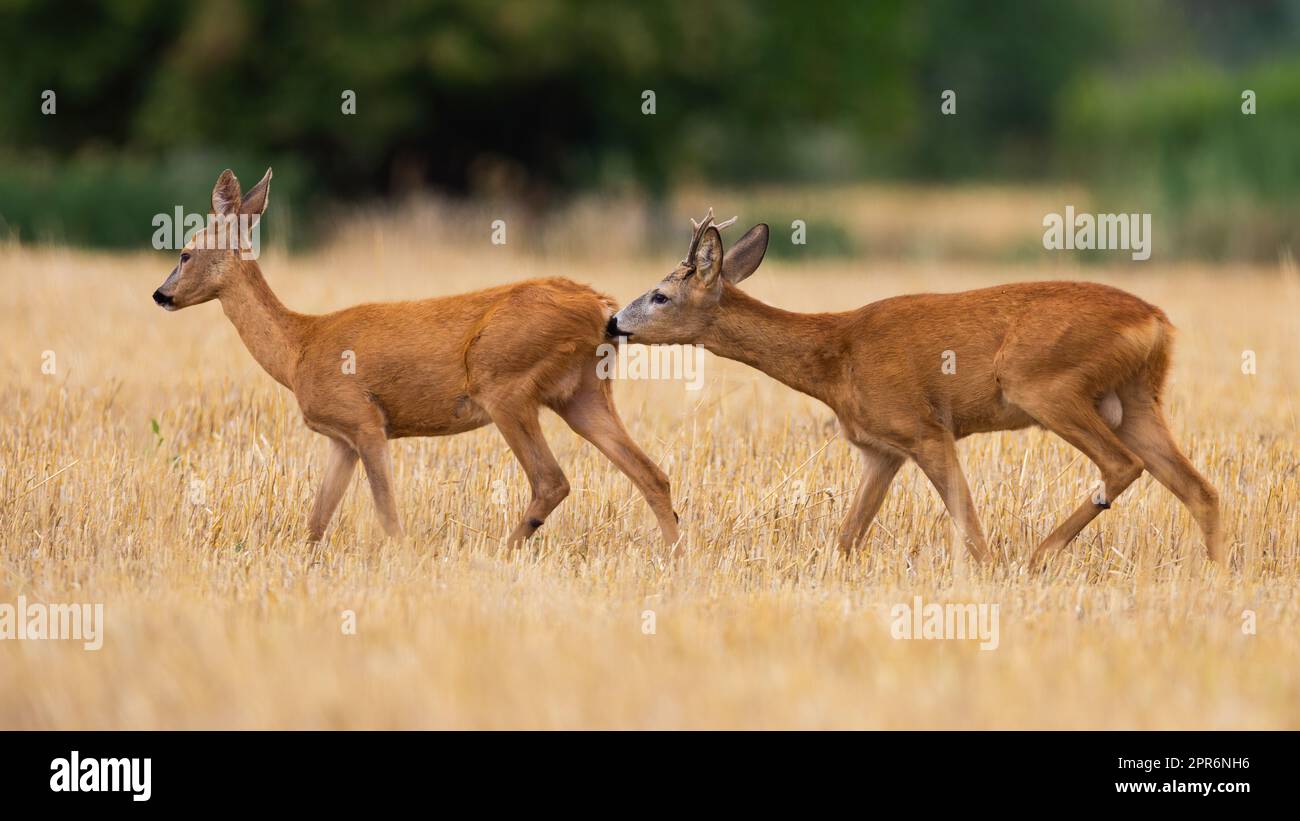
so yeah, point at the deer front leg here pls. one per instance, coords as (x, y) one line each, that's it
(936, 455)
(878, 470)
(523, 434)
(374, 455)
(342, 461)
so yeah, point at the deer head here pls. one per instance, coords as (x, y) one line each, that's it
(682, 306)
(212, 255)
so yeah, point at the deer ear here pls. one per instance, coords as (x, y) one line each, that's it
(225, 194)
(743, 258)
(255, 200)
(708, 256)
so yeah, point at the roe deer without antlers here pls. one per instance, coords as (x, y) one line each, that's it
(1085, 361)
(424, 368)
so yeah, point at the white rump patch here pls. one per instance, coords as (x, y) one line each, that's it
(1111, 410)
(607, 308)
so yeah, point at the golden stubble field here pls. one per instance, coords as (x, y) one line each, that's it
(218, 614)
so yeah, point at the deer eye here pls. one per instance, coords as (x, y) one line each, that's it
(658, 299)
(185, 257)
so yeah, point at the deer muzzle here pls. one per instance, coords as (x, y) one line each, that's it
(612, 330)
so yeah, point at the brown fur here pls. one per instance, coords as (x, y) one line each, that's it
(430, 367)
(1041, 353)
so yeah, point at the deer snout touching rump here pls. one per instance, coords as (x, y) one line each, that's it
(432, 367)
(910, 375)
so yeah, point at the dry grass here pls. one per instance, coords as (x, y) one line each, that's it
(218, 614)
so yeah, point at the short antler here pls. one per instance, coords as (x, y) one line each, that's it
(700, 228)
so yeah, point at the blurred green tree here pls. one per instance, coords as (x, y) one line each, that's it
(539, 97)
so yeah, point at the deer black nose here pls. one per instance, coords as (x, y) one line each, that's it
(611, 328)
(161, 298)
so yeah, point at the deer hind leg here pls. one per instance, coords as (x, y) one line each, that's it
(1079, 422)
(936, 455)
(591, 414)
(342, 461)
(373, 447)
(523, 433)
(1146, 433)
(878, 470)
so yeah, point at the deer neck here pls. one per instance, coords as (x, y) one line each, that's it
(270, 331)
(793, 348)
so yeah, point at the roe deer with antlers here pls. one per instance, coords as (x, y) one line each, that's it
(1085, 361)
(425, 368)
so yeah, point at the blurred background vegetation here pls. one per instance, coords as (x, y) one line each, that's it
(539, 101)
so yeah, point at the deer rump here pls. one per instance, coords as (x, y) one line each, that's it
(539, 341)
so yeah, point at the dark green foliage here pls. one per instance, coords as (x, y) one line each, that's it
(535, 98)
